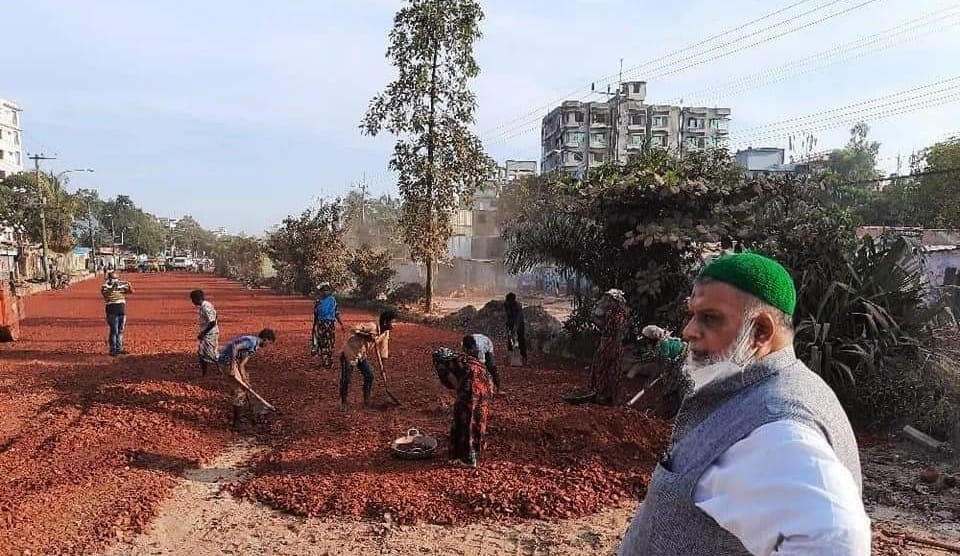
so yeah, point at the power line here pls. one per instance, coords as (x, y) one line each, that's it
(537, 113)
(838, 122)
(522, 125)
(948, 83)
(910, 105)
(858, 48)
(551, 104)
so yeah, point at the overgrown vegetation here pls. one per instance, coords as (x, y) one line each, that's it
(309, 249)
(371, 272)
(239, 258)
(646, 227)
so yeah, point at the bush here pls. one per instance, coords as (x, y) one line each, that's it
(407, 294)
(371, 272)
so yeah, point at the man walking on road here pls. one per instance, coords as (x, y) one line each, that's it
(209, 336)
(762, 459)
(114, 293)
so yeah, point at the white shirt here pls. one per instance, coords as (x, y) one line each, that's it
(782, 490)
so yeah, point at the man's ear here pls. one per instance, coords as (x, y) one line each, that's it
(764, 329)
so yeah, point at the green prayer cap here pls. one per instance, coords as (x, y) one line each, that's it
(755, 274)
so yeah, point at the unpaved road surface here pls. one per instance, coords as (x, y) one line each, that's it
(201, 519)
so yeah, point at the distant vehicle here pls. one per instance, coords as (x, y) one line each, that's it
(149, 265)
(182, 263)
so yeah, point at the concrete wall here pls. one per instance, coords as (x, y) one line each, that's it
(760, 159)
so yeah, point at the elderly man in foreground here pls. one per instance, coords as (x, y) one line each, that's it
(762, 459)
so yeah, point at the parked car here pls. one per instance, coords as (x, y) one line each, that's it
(182, 263)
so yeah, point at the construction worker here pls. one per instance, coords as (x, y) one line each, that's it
(366, 337)
(209, 336)
(481, 347)
(114, 292)
(235, 355)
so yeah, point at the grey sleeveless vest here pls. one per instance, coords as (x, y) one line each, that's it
(710, 421)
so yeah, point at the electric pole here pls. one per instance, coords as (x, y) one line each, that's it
(43, 214)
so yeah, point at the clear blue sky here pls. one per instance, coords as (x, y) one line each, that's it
(240, 113)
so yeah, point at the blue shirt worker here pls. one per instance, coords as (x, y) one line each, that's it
(326, 311)
(235, 356)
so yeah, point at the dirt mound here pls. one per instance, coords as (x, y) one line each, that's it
(491, 320)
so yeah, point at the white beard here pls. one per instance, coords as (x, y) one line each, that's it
(735, 359)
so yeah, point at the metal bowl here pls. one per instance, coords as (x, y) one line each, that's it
(579, 398)
(415, 445)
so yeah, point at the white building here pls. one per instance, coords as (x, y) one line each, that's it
(11, 151)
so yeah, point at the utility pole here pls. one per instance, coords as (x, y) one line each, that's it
(43, 213)
(363, 199)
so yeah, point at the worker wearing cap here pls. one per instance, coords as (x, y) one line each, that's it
(326, 312)
(762, 459)
(366, 338)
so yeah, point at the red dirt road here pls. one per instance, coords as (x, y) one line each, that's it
(89, 445)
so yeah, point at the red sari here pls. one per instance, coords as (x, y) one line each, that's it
(606, 377)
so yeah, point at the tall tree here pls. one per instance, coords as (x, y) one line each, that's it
(20, 205)
(937, 196)
(429, 106)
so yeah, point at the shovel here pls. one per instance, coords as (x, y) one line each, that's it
(249, 390)
(383, 374)
(643, 391)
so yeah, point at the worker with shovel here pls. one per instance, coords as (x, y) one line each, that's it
(366, 337)
(468, 376)
(235, 355)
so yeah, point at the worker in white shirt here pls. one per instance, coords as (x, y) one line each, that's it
(763, 459)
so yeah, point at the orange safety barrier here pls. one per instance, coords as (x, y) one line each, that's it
(11, 311)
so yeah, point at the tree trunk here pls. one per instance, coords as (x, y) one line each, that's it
(428, 295)
(431, 175)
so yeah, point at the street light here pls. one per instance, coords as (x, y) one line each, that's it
(65, 172)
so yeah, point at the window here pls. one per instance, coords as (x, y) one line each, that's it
(575, 138)
(578, 117)
(635, 140)
(658, 141)
(636, 118)
(636, 87)
(659, 121)
(2, 174)
(719, 123)
(16, 117)
(695, 123)
(600, 118)
(572, 157)
(16, 137)
(1, 134)
(17, 157)
(598, 158)
(1, 155)
(598, 139)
